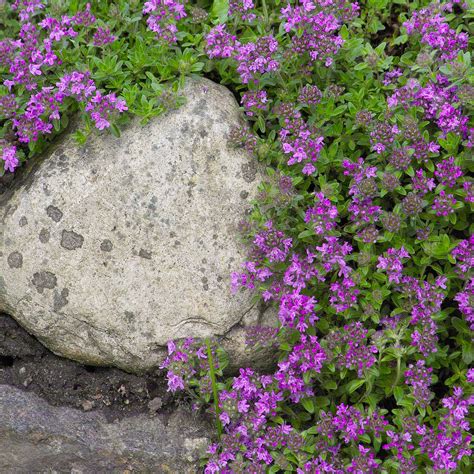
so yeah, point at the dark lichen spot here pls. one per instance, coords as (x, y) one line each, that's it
(42, 280)
(244, 194)
(46, 190)
(60, 299)
(15, 260)
(71, 241)
(44, 236)
(54, 213)
(144, 254)
(249, 171)
(23, 221)
(106, 246)
(62, 161)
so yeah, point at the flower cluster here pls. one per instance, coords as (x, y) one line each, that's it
(28, 64)
(322, 215)
(9, 157)
(256, 58)
(419, 378)
(242, 9)
(435, 32)
(299, 140)
(351, 349)
(392, 263)
(254, 101)
(187, 364)
(163, 17)
(314, 25)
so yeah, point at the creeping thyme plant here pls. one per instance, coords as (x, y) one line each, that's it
(361, 237)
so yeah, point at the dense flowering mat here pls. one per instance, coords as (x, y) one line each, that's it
(361, 237)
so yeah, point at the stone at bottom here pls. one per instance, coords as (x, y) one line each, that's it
(38, 438)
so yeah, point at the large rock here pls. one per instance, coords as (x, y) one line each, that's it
(111, 249)
(38, 438)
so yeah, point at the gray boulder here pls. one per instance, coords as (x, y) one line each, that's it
(38, 438)
(109, 250)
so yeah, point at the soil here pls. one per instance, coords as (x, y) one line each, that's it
(26, 364)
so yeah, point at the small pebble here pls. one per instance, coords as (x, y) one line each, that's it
(87, 405)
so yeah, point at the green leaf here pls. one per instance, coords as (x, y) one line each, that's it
(115, 130)
(220, 10)
(355, 384)
(402, 39)
(308, 404)
(330, 385)
(322, 402)
(360, 66)
(306, 233)
(398, 394)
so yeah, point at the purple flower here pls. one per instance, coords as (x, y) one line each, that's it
(447, 172)
(10, 158)
(422, 183)
(242, 9)
(313, 28)
(256, 58)
(27, 8)
(297, 311)
(175, 382)
(103, 37)
(322, 215)
(465, 300)
(273, 244)
(254, 102)
(419, 378)
(310, 95)
(300, 141)
(219, 43)
(444, 204)
(353, 351)
(435, 32)
(464, 255)
(163, 17)
(392, 263)
(343, 295)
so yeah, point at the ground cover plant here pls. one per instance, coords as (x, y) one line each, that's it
(362, 234)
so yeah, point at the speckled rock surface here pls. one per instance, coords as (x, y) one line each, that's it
(38, 438)
(109, 250)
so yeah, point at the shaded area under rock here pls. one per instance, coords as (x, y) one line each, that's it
(60, 416)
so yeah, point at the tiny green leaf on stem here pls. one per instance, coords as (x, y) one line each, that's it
(215, 393)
